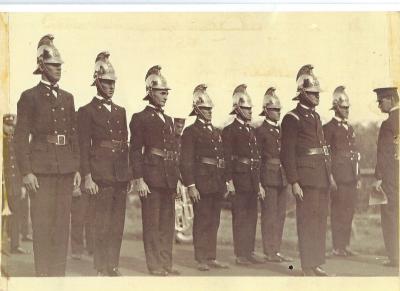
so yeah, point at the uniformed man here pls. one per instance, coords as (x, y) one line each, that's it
(242, 171)
(154, 159)
(12, 183)
(273, 179)
(340, 138)
(103, 140)
(49, 161)
(202, 167)
(387, 171)
(305, 158)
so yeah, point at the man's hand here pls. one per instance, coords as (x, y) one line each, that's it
(230, 189)
(332, 183)
(194, 193)
(141, 187)
(30, 182)
(297, 191)
(378, 185)
(90, 186)
(261, 192)
(359, 184)
(77, 180)
(23, 192)
(131, 186)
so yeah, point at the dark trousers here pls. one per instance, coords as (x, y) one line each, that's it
(205, 226)
(50, 215)
(158, 220)
(343, 203)
(390, 222)
(273, 214)
(82, 219)
(24, 217)
(14, 220)
(244, 222)
(110, 205)
(311, 216)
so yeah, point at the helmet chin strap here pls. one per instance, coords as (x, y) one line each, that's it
(240, 113)
(200, 113)
(46, 72)
(304, 99)
(100, 88)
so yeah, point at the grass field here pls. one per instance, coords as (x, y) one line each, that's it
(366, 236)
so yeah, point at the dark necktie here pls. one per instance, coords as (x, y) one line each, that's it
(105, 101)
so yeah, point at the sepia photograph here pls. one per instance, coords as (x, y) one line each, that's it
(224, 147)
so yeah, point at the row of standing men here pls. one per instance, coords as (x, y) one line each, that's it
(246, 163)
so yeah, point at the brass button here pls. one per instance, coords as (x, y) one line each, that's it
(110, 130)
(117, 121)
(62, 108)
(48, 94)
(113, 150)
(55, 120)
(55, 131)
(53, 110)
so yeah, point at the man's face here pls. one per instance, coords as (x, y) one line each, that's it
(385, 104)
(107, 88)
(312, 98)
(273, 113)
(52, 72)
(247, 112)
(179, 127)
(8, 129)
(343, 111)
(206, 113)
(159, 97)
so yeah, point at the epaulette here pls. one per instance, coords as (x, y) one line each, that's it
(293, 114)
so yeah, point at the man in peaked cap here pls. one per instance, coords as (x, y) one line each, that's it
(202, 167)
(306, 161)
(387, 171)
(12, 181)
(273, 179)
(154, 159)
(340, 138)
(49, 161)
(103, 140)
(242, 174)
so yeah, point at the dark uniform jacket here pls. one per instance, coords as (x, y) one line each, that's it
(301, 131)
(45, 117)
(12, 177)
(272, 173)
(387, 166)
(341, 142)
(240, 143)
(200, 142)
(103, 140)
(149, 132)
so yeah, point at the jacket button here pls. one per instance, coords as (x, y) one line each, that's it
(108, 121)
(62, 108)
(55, 131)
(117, 121)
(110, 130)
(64, 119)
(53, 110)
(48, 94)
(113, 150)
(55, 120)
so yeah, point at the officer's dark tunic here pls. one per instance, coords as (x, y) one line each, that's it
(341, 141)
(302, 135)
(153, 155)
(387, 170)
(53, 156)
(242, 162)
(12, 185)
(273, 179)
(202, 165)
(103, 137)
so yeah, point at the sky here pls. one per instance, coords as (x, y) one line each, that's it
(222, 50)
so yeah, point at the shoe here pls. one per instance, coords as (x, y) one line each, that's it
(242, 261)
(114, 272)
(390, 263)
(272, 258)
(255, 260)
(339, 253)
(172, 271)
(101, 274)
(284, 258)
(202, 266)
(350, 252)
(308, 272)
(159, 273)
(217, 265)
(27, 238)
(76, 256)
(19, 251)
(320, 272)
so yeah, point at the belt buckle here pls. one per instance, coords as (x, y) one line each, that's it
(326, 151)
(220, 163)
(60, 139)
(169, 156)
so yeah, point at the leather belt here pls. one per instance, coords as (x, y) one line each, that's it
(167, 155)
(346, 154)
(220, 163)
(314, 151)
(112, 144)
(57, 139)
(273, 161)
(253, 163)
